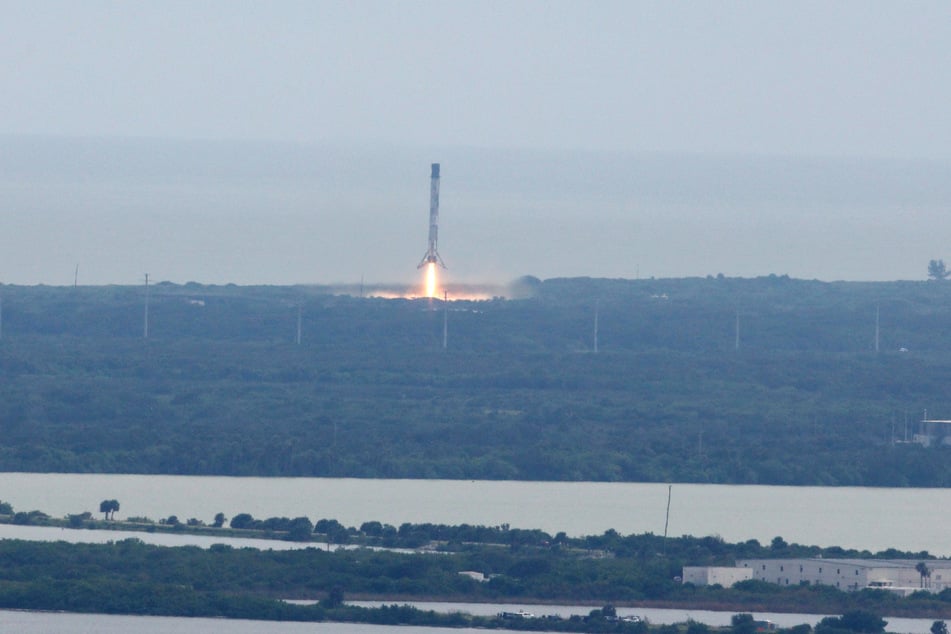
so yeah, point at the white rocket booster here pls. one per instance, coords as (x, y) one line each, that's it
(432, 254)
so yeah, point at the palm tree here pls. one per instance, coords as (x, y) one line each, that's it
(107, 507)
(923, 571)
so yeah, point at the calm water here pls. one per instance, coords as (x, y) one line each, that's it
(655, 615)
(54, 534)
(63, 623)
(59, 623)
(97, 536)
(865, 518)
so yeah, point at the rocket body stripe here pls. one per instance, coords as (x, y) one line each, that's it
(434, 208)
(432, 252)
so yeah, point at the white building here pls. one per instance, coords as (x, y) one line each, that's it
(933, 431)
(897, 575)
(715, 575)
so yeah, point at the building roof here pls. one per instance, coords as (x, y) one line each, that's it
(863, 563)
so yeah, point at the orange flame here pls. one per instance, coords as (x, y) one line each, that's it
(430, 279)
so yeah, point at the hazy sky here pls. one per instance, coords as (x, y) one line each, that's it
(561, 82)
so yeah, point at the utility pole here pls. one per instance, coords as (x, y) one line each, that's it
(298, 323)
(333, 452)
(736, 342)
(670, 490)
(597, 311)
(877, 309)
(145, 327)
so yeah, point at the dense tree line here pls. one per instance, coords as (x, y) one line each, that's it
(220, 386)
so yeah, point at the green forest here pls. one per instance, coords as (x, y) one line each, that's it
(769, 380)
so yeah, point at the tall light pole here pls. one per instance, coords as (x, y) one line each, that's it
(299, 309)
(597, 314)
(145, 326)
(445, 319)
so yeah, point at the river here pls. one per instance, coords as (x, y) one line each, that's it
(862, 518)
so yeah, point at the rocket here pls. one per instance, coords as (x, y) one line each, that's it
(432, 254)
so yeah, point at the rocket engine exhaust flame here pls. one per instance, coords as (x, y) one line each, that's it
(431, 279)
